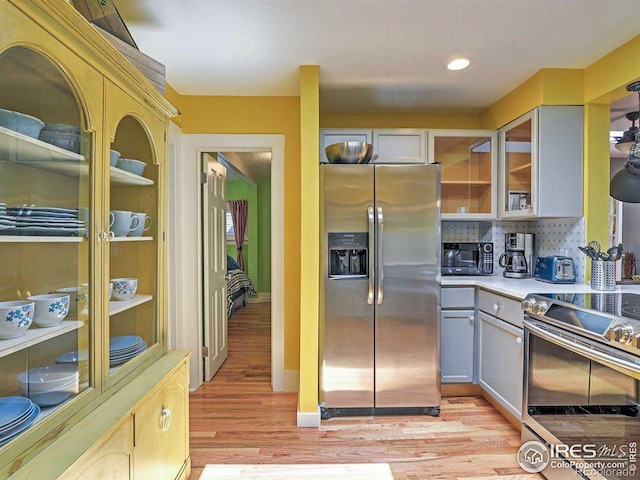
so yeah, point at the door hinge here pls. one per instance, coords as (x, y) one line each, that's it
(203, 177)
(205, 351)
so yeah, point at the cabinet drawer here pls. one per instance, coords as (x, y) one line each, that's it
(504, 308)
(451, 297)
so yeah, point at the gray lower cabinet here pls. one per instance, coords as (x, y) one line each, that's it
(500, 361)
(457, 346)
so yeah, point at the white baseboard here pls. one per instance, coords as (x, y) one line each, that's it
(291, 380)
(308, 420)
(263, 297)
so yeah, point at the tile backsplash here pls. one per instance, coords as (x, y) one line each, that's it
(556, 236)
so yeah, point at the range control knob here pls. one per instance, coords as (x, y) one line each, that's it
(527, 304)
(622, 334)
(539, 308)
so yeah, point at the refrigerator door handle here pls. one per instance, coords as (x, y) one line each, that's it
(380, 260)
(371, 256)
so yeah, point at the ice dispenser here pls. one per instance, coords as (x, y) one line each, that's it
(348, 254)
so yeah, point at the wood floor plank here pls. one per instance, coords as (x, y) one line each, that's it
(237, 419)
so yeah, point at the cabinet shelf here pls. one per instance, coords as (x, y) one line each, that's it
(34, 239)
(131, 239)
(526, 168)
(36, 335)
(117, 306)
(18, 148)
(471, 183)
(121, 177)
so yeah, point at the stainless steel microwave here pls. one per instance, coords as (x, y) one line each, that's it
(467, 258)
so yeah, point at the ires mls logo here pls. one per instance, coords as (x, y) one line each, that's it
(533, 457)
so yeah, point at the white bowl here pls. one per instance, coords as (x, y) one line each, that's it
(48, 398)
(42, 379)
(110, 289)
(51, 309)
(21, 123)
(79, 299)
(15, 318)
(124, 288)
(113, 157)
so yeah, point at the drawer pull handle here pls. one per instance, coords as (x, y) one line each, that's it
(165, 419)
(497, 306)
(518, 340)
(471, 318)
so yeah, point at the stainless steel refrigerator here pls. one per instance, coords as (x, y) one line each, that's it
(380, 312)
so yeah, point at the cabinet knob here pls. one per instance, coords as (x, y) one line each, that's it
(112, 235)
(165, 419)
(375, 156)
(497, 306)
(471, 318)
(101, 236)
(518, 340)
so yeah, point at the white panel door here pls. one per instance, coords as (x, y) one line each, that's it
(215, 266)
(456, 346)
(400, 146)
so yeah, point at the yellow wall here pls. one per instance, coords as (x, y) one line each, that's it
(310, 237)
(261, 115)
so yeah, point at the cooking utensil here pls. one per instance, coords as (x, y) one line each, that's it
(603, 256)
(586, 251)
(596, 246)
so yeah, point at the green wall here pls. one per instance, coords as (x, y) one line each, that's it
(257, 252)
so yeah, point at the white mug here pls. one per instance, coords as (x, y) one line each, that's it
(122, 222)
(144, 224)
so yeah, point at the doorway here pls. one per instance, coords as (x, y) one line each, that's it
(189, 288)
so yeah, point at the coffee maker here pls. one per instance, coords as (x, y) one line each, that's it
(518, 259)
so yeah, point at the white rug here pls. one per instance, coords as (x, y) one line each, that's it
(351, 471)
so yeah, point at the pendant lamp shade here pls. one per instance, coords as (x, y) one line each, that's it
(625, 185)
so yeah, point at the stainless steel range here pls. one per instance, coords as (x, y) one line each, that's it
(582, 384)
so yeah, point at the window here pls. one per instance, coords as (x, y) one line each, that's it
(229, 229)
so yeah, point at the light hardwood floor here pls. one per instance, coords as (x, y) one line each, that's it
(237, 419)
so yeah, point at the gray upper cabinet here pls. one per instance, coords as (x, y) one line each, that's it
(541, 164)
(400, 146)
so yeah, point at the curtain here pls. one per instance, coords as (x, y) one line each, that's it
(239, 210)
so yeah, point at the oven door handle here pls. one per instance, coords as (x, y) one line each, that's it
(617, 363)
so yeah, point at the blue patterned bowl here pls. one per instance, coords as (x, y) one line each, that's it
(124, 288)
(15, 318)
(50, 309)
(21, 123)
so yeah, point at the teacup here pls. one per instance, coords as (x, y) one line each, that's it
(50, 309)
(144, 224)
(121, 222)
(15, 318)
(79, 299)
(124, 288)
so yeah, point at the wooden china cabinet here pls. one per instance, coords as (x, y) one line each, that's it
(127, 414)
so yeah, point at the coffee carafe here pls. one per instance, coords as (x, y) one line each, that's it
(518, 258)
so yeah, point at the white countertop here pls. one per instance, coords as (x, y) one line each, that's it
(520, 287)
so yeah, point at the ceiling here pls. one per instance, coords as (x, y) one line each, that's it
(375, 56)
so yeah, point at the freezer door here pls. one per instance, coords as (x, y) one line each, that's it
(346, 316)
(407, 326)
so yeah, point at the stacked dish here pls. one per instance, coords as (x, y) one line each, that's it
(50, 385)
(79, 358)
(16, 414)
(47, 221)
(124, 348)
(7, 222)
(61, 135)
(21, 123)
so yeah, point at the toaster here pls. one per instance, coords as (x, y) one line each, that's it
(555, 270)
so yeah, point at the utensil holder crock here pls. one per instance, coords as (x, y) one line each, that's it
(603, 275)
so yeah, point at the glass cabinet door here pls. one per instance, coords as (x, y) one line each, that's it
(46, 310)
(134, 234)
(517, 140)
(469, 174)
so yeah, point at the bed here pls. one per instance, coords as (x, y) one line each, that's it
(239, 285)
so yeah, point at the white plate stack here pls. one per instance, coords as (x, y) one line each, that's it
(16, 414)
(7, 222)
(48, 386)
(47, 221)
(124, 348)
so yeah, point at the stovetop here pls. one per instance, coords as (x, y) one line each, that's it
(611, 318)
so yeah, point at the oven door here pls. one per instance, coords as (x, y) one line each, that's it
(582, 398)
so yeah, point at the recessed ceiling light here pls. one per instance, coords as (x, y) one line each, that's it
(458, 64)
